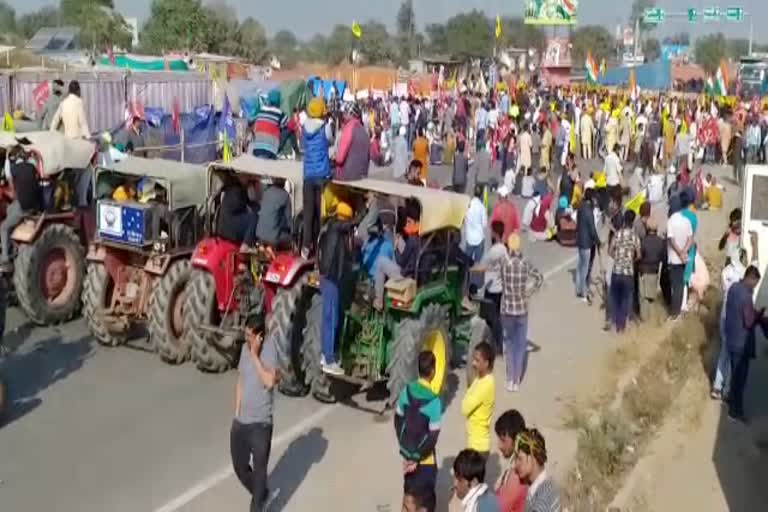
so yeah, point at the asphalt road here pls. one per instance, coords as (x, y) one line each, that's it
(95, 429)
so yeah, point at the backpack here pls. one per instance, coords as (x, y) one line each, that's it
(414, 431)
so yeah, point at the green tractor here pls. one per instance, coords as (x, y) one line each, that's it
(423, 313)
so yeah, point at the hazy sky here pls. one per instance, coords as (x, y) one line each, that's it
(307, 17)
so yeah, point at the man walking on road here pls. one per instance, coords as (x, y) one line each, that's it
(417, 425)
(587, 241)
(250, 438)
(515, 275)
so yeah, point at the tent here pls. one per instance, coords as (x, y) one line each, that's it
(145, 63)
(654, 76)
(317, 84)
(293, 94)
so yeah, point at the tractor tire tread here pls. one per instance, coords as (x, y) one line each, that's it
(96, 279)
(206, 355)
(170, 351)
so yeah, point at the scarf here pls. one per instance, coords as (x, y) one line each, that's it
(470, 500)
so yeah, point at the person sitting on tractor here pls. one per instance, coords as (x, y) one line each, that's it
(275, 225)
(237, 217)
(334, 261)
(413, 176)
(376, 246)
(407, 247)
(23, 187)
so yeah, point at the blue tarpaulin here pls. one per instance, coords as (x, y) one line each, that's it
(316, 83)
(652, 76)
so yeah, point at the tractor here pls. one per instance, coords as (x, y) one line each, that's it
(150, 216)
(227, 285)
(49, 262)
(422, 313)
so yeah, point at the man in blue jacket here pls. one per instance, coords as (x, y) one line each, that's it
(317, 170)
(587, 241)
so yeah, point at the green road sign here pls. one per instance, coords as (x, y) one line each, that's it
(734, 14)
(693, 15)
(653, 16)
(711, 14)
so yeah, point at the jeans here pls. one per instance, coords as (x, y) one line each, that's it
(582, 272)
(423, 477)
(621, 296)
(13, 216)
(739, 374)
(515, 343)
(475, 252)
(329, 291)
(385, 269)
(676, 284)
(722, 381)
(83, 180)
(491, 312)
(312, 191)
(246, 441)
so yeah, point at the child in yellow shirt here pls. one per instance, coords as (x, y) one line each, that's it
(477, 406)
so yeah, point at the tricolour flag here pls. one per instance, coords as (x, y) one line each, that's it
(634, 91)
(721, 80)
(709, 87)
(603, 67)
(567, 9)
(592, 71)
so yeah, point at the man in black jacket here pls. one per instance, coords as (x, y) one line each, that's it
(587, 240)
(334, 256)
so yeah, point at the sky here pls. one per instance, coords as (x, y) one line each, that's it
(308, 17)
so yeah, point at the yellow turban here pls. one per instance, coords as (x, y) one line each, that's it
(316, 108)
(513, 242)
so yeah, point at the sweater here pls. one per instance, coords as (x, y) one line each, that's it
(266, 129)
(317, 165)
(353, 156)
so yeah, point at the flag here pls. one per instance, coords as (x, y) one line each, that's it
(591, 65)
(498, 27)
(709, 86)
(110, 55)
(40, 94)
(603, 67)
(721, 80)
(567, 9)
(634, 91)
(357, 31)
(226, 128)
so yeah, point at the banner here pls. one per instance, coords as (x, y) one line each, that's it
(551, 12)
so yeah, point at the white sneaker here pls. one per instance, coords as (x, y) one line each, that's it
(332, 368)
(512, 387)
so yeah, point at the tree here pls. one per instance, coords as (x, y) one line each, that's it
(314, 49)
(515, 33)
(376, 44)
(469, 35)
(7, 18)
(338, 46)
(28, 24)
(710, 50)
(638, 8)
(406, 29)
(253, 40)
(738, 48)
(99, 24)
(221, 28)
(437, 37)
(174, 25)
(651, 49)
(681, 39)
(284, 46)
(593, 38)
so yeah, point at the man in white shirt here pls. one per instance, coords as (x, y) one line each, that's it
(475, 223)
(71, 114)
(613, 172)
(679, 240)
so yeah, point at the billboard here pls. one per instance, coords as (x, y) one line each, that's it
(551, 12)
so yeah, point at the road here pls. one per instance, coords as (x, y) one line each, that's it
(95, 429)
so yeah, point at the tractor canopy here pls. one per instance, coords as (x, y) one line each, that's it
(185, 185)
(54, 152)
(440, 209)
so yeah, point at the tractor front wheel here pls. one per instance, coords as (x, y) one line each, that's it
(49, 274)
(200, 308)
(97, 296)
(311, 352)
(428, 332)
(286, 325)
(166, 320)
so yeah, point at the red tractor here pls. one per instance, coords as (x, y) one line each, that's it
(228, 286)
(49, 262)
(150, 217)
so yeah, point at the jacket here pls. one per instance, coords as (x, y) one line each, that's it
(460, 169)
(334, 250)
(71, 114)
(353, 157)
(586, 232)
(275, 217)
(317, 165)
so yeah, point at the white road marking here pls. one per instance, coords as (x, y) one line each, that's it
(219, 476)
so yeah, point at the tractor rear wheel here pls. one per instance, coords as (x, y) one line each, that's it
(286, 325)
(49, 274)
(200, 309)
(166, 308)
(97, 296)
(311, 352)
(479, 331)
(413, 335)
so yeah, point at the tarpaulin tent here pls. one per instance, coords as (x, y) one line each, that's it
(655, 76)
(318, 85)
(293, 94)
(145, 63)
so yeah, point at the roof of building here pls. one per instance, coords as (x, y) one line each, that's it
(53, 39)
